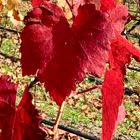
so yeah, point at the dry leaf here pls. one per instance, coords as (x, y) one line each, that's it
(13, 4)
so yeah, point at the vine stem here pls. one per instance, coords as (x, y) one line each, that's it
(89, 89)
(55, 128)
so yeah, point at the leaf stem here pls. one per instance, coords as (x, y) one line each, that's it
(55, 128)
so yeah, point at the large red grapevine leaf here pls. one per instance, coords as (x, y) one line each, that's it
(112, 92)
(7, 107)
(63, 46)
(94, 32)
(58, 52)
(21, 123)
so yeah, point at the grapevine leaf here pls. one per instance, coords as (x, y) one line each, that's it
(37, 37)
(36, 3)
(7, 107)
(119, 16)
(40, 42)
(112, 93)
(113, 88)
(122, 51)
(23, 121)
(75, 4)
(64, 45)
(27, 120)
(107, 5)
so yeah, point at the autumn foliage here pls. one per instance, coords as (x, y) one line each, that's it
(61, 54)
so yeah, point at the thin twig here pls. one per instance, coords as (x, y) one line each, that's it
(10, 30)
(90, 89)
(134, 26)
(3, 31)
(134, 68)
(136, 35)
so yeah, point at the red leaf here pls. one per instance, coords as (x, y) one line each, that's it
(107, 5)
(122, 51)
(112, 92)
(21, 123)
(67, 53)
(36, 40)
(75, 4)
(119, 16)
(36, 3)
(27, 120)
(7, 107)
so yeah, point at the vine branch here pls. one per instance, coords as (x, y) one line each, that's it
(90, 89)
(9, 30)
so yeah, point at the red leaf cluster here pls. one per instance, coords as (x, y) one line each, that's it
(61, 54)
(18, 123)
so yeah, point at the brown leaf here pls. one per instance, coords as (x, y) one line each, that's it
(84, 107)
(136, 90)
(1, 6)
(16, 15)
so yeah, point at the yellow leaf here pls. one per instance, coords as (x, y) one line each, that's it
(13, 4)
(65, 7)
(1, 5)
(13, 10)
